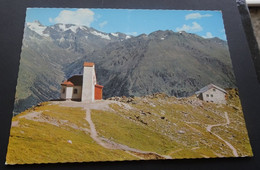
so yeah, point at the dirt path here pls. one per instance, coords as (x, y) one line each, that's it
(39, 117)
(106, 143)
(209, 127)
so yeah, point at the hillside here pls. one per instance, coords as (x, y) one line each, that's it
(151, 127)
(177, 64)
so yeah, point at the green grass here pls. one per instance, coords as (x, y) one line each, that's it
(124, 131)
(129, 127)
(73, 115)
(38, 142)
(158, 135)
(164, 125)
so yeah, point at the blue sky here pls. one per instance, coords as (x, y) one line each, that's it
(134, 22)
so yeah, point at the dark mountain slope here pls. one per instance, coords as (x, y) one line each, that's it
(177, 64)
(46, 53)
(174, 63)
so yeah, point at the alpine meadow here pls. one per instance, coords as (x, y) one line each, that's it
(86, 93)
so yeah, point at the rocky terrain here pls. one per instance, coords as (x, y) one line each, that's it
(155, 126)
(175, 63)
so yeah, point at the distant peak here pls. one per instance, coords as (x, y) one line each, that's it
(37, 22)
(37, 27)
(216, 39)
(182, 32)
(142, 35)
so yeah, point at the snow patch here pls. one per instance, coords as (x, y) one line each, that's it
(83, 28)
(86, 37)
(31, 37)
(72, 28)
(101, 35)
(37, 27)
(162, 38)
(115, 34)
(63, 27)
(127, 37)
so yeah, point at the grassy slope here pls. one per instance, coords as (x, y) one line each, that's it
(236, 132)
(175, 127)
(41, 142)
(161, 124)
(158, 136)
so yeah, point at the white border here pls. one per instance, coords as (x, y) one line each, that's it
(253, 2)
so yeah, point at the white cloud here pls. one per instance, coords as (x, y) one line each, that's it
(195, 27)
(102, 24)
(196, 16)
(208, 35)
(78, 17)
(132, 33)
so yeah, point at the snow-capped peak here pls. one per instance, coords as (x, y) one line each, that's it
(73, 28)
(105, 36)
(127, 37)
(37, 27)
(115, 34)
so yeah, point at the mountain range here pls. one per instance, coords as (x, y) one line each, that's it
(175, 63)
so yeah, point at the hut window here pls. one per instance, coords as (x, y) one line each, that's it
(75, 91)
(211, 95)
(214, 89)
(207, 95)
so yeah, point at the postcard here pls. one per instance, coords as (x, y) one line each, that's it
(125, 84)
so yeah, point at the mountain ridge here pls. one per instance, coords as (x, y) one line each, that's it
(176, 63)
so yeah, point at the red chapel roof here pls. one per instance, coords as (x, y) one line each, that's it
(87, 64)
(67, 83)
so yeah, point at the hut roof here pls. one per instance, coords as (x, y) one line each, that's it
(208, 87)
